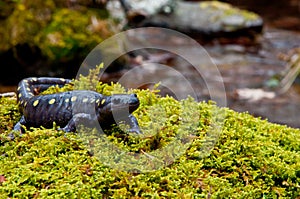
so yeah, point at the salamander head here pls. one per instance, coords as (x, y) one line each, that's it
(118, 104)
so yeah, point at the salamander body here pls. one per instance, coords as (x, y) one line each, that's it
(68, 109)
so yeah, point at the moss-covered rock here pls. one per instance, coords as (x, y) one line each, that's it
(251, 158)
(33, 22)
(63, 36)
(205, 19)
(46, 37)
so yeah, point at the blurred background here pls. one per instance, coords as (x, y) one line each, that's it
(255, 44)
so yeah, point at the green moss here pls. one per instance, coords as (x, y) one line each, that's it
(26, 20)
(60, 33)
(9, 112)
(229, 17)
(71, 32)
(229, 9)
(252, 158)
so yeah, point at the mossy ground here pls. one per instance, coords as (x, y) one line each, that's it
(251, 158)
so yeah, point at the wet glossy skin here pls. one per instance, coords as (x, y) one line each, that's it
(68, 109)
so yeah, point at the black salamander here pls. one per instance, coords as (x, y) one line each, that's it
(68, 109)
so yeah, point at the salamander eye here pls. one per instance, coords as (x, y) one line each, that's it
(133, 95)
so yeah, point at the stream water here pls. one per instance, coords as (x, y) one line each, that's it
(240, 66)
(252, 68)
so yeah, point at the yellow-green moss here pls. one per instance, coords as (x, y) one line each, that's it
(9, 113)
(26, 20)
(60, 33)
(229, 9)
(72, 31)
(251, 159)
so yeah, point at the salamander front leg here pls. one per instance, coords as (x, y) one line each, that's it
(134, 125)
(80, 119)
(18, 127)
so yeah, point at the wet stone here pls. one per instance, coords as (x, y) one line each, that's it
(234, 20)
(207, 19)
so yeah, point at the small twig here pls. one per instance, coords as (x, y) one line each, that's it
(148, 155)
(291, 75)
(125, 5)
(9, 94)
